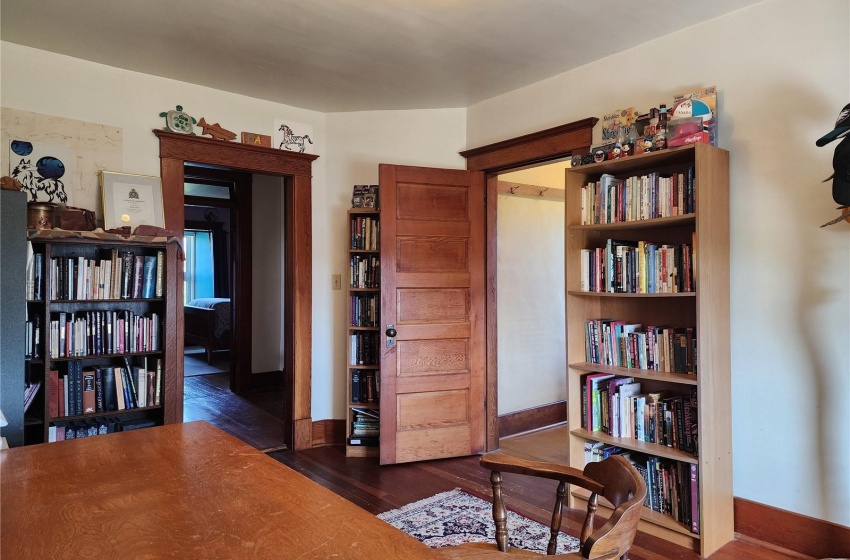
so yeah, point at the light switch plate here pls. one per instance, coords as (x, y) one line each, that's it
(336, 281)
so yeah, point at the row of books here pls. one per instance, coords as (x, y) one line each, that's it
(32, 345)
(30, 391)
(365, 386)
(672, 487)
(613, 342)
(365, 310)
(94, 333)
(365, 233)
(638, 267)
(365, 427)
(363, 348)
(35, 276)
(364, 271)
(655, 195)
(90, 427)
(124, 275)
(617, 406)
(99, 389)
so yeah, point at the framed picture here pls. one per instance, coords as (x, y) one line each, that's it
(131, 200)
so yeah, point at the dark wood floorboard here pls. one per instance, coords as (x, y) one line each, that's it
(378, 488)
(255, 418)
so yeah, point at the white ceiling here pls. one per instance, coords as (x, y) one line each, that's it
(351, 55)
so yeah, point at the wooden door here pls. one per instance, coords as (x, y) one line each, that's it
(433, 293)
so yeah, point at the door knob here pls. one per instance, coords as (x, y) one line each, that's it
(391, 332)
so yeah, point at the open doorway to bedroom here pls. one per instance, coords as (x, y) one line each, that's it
(221, 383)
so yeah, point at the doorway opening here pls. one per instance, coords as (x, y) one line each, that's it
(232, 385)
(530, 301)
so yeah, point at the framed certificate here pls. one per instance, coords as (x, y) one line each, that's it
(131, 200)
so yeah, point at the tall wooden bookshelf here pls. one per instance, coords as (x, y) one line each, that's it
(93, 310)
(363, 376)
(706, 310)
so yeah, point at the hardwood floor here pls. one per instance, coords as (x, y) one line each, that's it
(255, 418)
(378, 489)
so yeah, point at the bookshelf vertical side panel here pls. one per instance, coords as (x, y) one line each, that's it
(714, 362)
(173, 330)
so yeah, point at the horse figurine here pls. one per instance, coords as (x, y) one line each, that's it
(290, 139)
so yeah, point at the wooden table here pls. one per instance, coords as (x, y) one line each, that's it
(179, 491)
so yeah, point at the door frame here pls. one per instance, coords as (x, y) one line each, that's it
(514, 154)
(296, 171)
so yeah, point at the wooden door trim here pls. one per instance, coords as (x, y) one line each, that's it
(521, 151)
(296, 168)
(528, 149)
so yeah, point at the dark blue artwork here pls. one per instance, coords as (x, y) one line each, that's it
(50, 167)
(22, 147)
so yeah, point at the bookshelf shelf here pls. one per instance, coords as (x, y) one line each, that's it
(701, 402)
(635, 445)
(363, 329)
(671, 221)
(98, 356)
(682, 378)
(580, 293)
(70, 277)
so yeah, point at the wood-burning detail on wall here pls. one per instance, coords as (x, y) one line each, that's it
(39, 169)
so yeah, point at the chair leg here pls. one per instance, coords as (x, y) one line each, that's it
(555, 526)
(500, 513)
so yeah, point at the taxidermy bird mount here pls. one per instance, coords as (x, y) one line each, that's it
(216, 131)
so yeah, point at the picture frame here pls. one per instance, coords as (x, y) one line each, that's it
(131, 200)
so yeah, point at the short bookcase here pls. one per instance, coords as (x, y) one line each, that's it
(47, 302)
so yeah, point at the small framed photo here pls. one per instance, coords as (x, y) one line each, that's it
(131, 200)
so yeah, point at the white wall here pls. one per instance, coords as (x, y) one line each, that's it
(267, 274)
(782, 69)
(357, 143)
(530, 293)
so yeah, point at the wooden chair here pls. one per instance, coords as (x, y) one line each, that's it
(615, 479)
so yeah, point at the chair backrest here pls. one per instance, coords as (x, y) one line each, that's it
(614, 479)
(625, 489)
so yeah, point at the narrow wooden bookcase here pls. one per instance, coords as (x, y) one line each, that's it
(363, 376)
(94, 305)
(706, 310)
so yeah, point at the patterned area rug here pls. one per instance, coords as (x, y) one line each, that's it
(455, 517)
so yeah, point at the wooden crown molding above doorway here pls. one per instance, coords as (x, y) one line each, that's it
(296, 169)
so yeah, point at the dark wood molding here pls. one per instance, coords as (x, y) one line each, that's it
(531, 148)
(233, 155)
(175, 151)
(532, 418)
(241, 274)
(522, 151)
(791, 531)
(492, 372)
(328, 432)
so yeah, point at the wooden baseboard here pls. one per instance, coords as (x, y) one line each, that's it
(784, 529)
(532, 418)
(328, 432)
